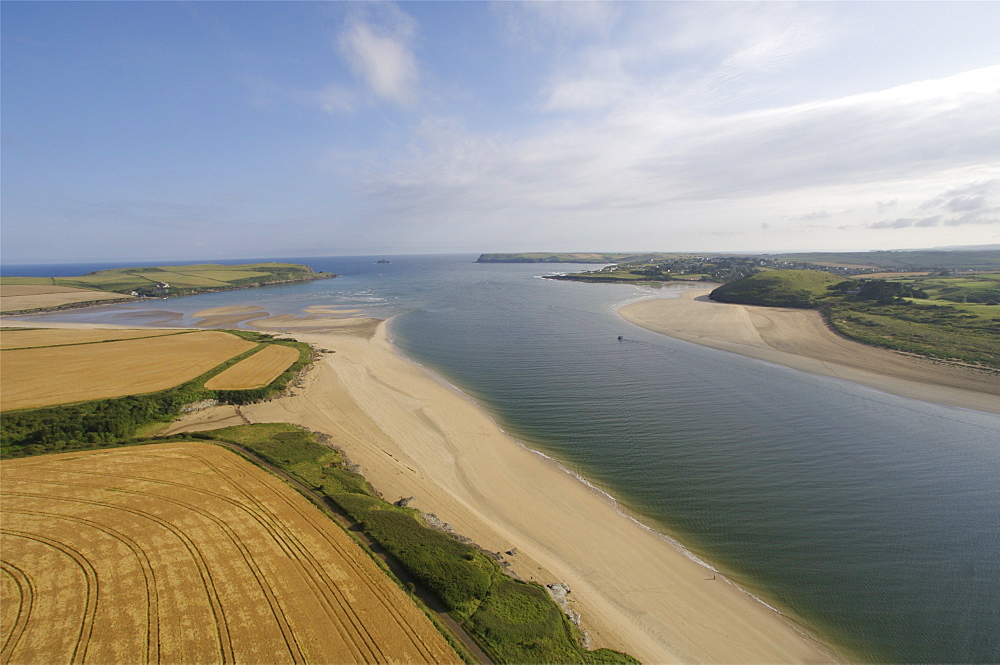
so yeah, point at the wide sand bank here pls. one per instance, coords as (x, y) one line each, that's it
(413, 435)
(801, 339)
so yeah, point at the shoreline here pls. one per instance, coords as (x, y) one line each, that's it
(113, 300)
(800, 339)
(413, 434)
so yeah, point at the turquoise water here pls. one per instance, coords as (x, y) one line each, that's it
(871, 518)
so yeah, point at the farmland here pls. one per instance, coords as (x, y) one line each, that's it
(20, 294)
(184, 552)
(26, 297)
(73, 372)
(34, 337)
(75, 389)
(256, 371)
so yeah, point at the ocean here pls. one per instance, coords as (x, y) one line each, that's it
(872, 519)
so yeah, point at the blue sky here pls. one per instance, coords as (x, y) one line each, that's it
(177, 130)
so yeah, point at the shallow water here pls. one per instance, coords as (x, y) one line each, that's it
(871, 518)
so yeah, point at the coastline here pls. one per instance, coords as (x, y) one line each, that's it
(114, 298)
(800, 339)
(414, 435)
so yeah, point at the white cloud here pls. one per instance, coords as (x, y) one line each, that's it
(650, 163)
(970, 204)
(378, 51)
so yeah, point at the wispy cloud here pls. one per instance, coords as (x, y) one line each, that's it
(972, 204)
(377, 47)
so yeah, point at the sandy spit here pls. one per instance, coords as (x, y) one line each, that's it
(801, 339)
(415, 436)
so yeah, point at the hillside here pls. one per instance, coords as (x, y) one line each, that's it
(778, 288)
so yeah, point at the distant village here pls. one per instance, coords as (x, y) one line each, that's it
(726, 268)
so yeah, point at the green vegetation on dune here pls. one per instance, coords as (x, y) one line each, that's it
(513, 621)
(912, 315)
(937, 331)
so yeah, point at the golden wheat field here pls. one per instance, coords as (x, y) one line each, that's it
(186, 553)
(61, 374)
(256, 371)
(17, 297)
(34, 337)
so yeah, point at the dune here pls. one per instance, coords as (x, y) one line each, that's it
(801, 339)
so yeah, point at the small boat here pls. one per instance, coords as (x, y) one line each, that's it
(620, 338)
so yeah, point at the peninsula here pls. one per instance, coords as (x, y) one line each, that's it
(22, 295)
(941, 305)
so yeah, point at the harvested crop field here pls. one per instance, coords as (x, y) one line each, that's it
(256, 371)
(62, 374)
(19, 297)
(34, 337)
(182, 553)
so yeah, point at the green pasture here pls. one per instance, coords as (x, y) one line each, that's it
(988, 312)
(19, 281)
(226, 275)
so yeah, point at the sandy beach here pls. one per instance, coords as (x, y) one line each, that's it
(413, 435)
(801, 339)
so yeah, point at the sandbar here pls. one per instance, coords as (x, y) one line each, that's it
(802, 340)
(413, 435)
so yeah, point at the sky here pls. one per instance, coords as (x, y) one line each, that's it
(201, 130)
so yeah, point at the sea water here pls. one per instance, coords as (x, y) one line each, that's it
(871, 519)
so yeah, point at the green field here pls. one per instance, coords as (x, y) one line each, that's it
(114, 421)
(976, 289)
(913, 260)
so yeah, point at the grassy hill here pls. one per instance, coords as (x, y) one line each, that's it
(179, 280)
(778, 288)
